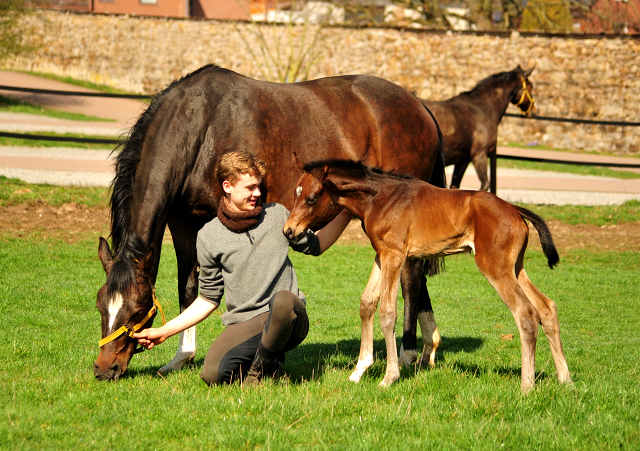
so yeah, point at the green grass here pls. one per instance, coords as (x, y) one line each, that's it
(596, 215)
(569, 168)
(18, 106)
(15, 192)
(20, 142)
(82, 83)
(471, 400)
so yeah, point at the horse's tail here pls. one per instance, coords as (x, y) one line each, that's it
(546, 240)
(439, 179)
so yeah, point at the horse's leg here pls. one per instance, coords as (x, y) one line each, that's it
(498, 268)
(368, 304)
(479, 160)
(549, 319)
(417, 308)
(184, 242)
(390, 268)
(458, 172)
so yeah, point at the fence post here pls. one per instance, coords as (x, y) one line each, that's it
(493, 163)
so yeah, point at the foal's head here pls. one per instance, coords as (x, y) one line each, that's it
(123, 302)
(523, 95)
(312, 205)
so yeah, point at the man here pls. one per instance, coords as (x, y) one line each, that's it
(244, 254)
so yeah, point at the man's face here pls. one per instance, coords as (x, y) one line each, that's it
(244, 194)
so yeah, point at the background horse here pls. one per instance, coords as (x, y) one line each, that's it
(165, 175)
(469, 121)
(406, 218)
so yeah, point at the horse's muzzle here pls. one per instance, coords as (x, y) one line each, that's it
(111, 373)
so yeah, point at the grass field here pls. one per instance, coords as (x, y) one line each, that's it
(471, 400)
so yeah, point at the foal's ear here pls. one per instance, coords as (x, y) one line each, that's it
(104, 253)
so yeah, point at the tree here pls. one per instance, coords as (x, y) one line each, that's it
(11, 31)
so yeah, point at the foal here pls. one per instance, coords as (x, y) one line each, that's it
(406, 218)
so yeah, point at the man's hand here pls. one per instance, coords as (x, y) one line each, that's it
(148, 338)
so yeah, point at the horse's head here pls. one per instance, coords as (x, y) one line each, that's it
(313, 204)
(126, 305)
(523, 95)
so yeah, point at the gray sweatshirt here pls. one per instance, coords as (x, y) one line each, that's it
(249, 267)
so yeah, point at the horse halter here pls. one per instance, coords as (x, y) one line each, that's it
(128, 330)
(525, 95)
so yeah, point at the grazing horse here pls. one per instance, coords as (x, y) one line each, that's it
(165, 175)
(469, 121)
(406, 218)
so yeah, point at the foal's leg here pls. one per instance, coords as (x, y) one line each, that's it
(549, 318)
(527, 320)
(368, 304)
(391, 266)
(184, 239)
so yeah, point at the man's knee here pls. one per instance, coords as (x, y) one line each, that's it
(285, 305)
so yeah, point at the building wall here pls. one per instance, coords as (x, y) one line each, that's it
(154, 8)
(575, 78)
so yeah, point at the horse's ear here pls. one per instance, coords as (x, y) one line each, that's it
(104, 253)
(325, 171)
(527, 73)
(518, 69)
(299, 163)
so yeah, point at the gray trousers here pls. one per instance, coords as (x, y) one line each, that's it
(281, 329)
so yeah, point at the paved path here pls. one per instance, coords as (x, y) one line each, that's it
(68, 166)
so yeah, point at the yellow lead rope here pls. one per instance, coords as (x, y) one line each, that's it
(525, 94)
(132, 330)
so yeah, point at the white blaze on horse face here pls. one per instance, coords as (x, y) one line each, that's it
(115, 304)
(298, 191)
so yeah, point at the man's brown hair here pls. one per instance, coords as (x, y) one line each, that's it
(235, 163)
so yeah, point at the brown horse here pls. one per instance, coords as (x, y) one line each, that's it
(165, 175)
(469, 121)
(406, 218)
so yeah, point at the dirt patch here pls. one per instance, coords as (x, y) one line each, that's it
(622, 237)
(73, 222)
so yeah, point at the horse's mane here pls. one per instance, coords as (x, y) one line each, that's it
(127, 245)
(358, 165)
(501, 77)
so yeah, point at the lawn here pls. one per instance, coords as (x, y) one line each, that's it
(50, 399)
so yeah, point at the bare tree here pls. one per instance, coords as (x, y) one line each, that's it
(11, 28)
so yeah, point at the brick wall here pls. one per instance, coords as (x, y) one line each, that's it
(578, 78)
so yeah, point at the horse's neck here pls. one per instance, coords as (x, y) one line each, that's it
(495, 96)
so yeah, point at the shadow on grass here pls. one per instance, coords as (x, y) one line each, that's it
(310, 361)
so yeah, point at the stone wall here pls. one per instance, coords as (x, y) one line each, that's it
(585, 78)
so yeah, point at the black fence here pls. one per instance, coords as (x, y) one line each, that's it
(492, 157)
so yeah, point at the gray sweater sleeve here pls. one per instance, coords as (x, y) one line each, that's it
(211, 282)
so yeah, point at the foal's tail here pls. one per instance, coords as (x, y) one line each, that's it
(546, 240)
(439, 179)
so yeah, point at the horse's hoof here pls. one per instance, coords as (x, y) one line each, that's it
(178, 362)
(387, 381)
(407, 358)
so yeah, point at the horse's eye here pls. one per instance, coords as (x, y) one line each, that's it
(311, 200)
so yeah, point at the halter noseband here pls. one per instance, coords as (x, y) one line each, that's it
(525, 95)
(128, 330)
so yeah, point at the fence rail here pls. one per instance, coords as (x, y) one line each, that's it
(492, 157)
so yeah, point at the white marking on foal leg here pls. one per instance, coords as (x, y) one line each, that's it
(186, 351)
(361, 368)
(115, 304)
(430, 337)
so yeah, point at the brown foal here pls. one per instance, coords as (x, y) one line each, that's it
(406, 218)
